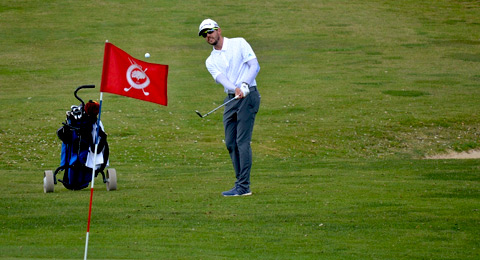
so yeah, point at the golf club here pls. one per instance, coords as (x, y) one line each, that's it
(215, 109)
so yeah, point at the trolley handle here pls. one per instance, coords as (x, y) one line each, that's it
(84, 86)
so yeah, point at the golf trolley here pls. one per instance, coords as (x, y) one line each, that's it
(78, 145)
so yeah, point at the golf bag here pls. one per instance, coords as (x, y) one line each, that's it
(78, 145)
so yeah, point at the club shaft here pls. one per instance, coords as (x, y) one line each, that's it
(215, 109)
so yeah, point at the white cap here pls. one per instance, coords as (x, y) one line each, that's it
(207, 24)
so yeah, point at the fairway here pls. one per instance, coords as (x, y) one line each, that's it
(355, 96)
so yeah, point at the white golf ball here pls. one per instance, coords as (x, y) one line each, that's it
(147, 55)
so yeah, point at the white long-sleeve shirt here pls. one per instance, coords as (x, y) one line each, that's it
(233, 64)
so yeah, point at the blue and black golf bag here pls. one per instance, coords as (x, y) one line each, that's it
(78, 145)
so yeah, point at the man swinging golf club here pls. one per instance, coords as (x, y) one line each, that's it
(233, 64)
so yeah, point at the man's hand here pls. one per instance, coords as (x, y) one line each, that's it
(243, 90)
(238, 93)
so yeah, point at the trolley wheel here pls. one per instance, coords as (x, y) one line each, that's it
(48, 182)
(111, 179)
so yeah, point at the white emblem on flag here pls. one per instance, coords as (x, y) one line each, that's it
(137, 78)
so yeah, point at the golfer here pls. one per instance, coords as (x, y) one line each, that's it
(233, 64)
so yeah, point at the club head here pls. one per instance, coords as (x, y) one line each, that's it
(198, 113)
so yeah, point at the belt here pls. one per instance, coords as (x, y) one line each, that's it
(252, 88)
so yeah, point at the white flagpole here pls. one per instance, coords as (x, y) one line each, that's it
(93, 176)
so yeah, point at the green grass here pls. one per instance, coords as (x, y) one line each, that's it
(354, 95)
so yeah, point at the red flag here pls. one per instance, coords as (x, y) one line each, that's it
(124, 75)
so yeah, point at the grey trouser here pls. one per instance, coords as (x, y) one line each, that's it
(238, 120)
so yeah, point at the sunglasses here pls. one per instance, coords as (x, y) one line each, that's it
(209, 31)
